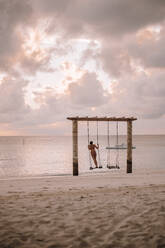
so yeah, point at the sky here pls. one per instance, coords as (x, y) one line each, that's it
(81, 58)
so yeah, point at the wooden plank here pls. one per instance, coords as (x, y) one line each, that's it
(77, 118)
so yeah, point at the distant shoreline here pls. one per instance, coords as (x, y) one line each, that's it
(79, 135)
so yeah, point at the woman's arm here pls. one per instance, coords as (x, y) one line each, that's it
(97, 147)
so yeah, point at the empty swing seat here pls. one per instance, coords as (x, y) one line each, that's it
(122, 146)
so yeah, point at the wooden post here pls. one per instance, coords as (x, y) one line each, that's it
(75, 147)
(129, 146)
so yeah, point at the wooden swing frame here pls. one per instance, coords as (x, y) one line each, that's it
(75, 121)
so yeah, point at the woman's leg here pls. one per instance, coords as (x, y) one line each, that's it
(94, 159)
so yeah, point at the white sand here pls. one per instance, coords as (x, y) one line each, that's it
(105, 210)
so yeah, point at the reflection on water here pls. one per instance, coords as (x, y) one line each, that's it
(32, 156)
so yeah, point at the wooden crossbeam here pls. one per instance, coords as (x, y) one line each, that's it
(96, 118)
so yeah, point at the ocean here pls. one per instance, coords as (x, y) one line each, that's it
(52, 155)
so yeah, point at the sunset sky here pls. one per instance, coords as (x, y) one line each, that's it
(62, 58)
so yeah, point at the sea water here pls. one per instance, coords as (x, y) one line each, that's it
(52, 155)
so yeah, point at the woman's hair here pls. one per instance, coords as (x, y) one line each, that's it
(91, 142)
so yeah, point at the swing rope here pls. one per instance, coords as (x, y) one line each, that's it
(108, 144)
(90, 161)
(117, 144)
(98, 151)
(116, 147)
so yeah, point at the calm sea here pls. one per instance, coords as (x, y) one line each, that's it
(42, 156)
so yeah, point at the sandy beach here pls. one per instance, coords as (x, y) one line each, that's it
(105, 210)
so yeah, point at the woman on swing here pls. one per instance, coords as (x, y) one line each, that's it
(92, 148)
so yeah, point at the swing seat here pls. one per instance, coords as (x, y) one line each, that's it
(113, 167)
(122, 146)
(91, 168)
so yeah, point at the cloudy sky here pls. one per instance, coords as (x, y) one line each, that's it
(81, 57)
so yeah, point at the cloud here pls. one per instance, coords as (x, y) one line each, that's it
(149, 49)
(13, 106)
(13, 14)
(142, 96)
(125, 39)
(142, 50)
(79, 98)
(88, 91)
(97, 18)
(35, 62)
(138, 96)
